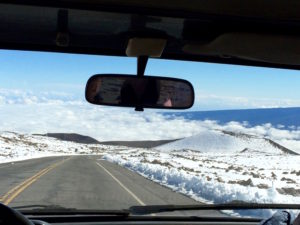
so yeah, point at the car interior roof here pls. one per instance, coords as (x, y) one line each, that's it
(258, 33)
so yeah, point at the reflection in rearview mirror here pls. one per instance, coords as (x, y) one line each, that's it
(139, 92)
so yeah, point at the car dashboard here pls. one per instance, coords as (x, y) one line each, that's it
(139, 220)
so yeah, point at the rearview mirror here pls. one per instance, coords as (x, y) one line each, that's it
(139, 92)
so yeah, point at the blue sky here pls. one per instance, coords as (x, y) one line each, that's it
(217, 86)
(44, 92)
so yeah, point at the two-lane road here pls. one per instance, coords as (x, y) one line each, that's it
(82, 182)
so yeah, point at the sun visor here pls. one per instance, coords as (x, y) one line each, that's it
(152, 47)
(282, 49)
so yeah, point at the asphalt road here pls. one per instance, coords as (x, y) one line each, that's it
(83, 182)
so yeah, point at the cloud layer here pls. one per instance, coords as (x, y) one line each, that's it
(208, 101)
(61, 112)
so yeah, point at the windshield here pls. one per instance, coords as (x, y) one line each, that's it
(240, 140)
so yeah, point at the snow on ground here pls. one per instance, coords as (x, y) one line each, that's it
(222, 142)
(15, 147)
(215, 167)
(218, 177)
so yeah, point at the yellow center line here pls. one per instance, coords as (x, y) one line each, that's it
(14, 192)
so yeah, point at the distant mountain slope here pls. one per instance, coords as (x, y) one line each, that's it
(138, 144)
(78, 138)
(227, 142)
(284, 116)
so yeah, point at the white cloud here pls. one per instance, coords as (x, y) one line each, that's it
(209, 101)
(107, 123)
(203, 101)
(15, 96)
(62, 112)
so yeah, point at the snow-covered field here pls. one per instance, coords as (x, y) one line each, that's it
(213, 166)
(15, 147)
(218, 167)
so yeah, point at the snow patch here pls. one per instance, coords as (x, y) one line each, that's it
(215, 177)
(16, 147)
(224, 142)
(257, 174)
